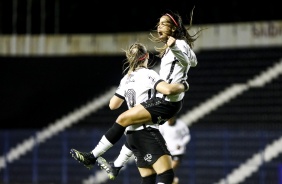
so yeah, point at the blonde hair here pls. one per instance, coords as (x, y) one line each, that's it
(136, 55)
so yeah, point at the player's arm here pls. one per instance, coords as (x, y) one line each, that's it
(172, 89)
(116, 101)
(182, 52)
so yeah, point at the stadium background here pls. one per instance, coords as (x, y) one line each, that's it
(36, 91)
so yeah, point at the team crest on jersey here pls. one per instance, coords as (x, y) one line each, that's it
(161, 120)
(148, 158)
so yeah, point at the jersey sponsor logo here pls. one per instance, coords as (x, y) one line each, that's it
(130, 79)
(148, 158)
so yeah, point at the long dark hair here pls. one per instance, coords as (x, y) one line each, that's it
(181, 32)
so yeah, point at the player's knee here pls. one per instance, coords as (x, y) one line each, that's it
(166, 177)
(149, 179)
(123, 120)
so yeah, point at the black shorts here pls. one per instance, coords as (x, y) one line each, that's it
(161, 110)
(147, 145)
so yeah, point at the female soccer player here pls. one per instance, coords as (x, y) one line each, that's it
(177, 57)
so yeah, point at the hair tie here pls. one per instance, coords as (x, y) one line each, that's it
(172, 19)
(142, 58)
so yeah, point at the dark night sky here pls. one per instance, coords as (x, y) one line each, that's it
(85, 16)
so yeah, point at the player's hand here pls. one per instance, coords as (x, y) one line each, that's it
(170, 41)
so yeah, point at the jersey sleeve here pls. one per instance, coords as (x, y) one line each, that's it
(120, 92)
(184, 53)
(154, 78)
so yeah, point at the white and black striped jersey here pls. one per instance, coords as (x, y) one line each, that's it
(175, 65)
(138, 87)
